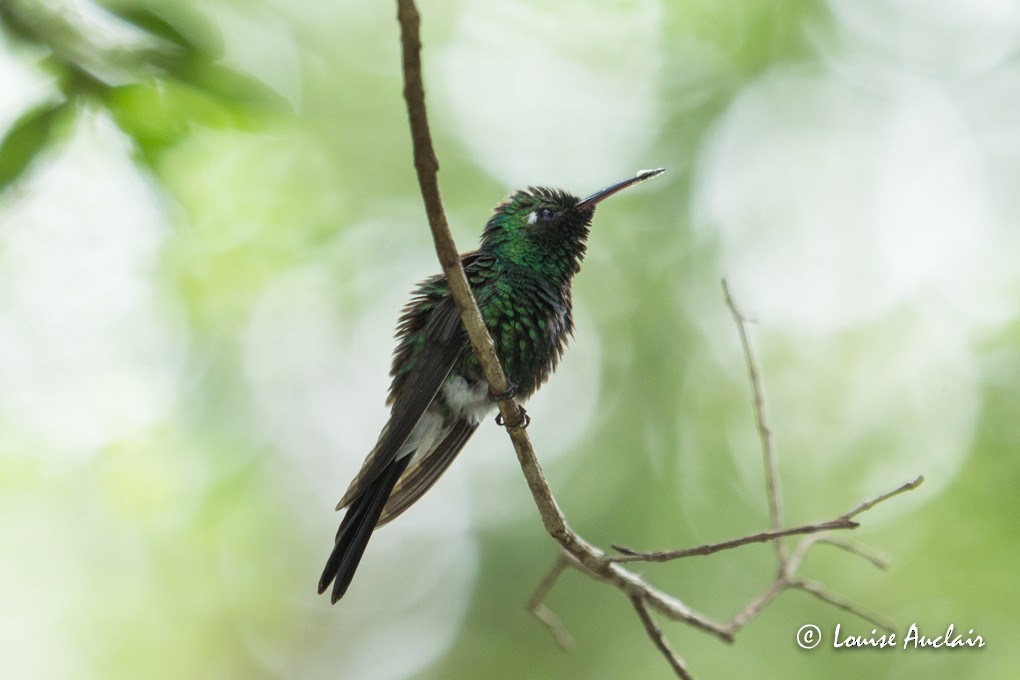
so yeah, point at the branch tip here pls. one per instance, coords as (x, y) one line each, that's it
(881, 498)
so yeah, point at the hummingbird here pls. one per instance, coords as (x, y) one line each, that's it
(530, 250)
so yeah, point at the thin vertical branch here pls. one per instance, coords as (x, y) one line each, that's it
(427, 168)
(764, 431)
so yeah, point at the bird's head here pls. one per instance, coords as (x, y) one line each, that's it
(545, 229)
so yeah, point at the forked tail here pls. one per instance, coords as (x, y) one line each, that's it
(356, 528)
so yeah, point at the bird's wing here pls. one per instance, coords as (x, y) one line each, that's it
(432, 338)
(423, 473)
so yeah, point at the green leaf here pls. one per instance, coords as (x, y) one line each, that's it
(159, 113)
(26, 139)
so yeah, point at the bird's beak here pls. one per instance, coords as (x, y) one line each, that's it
(595, 198)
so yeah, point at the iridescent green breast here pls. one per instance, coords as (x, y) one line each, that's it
(530, 321)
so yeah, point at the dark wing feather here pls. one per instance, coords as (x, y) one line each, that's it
(420, 477)
(419, 387)
(432, 338)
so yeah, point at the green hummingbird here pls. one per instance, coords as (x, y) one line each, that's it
(520, 275)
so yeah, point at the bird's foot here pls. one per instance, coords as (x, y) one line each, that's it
(523, 419)
(506, 394)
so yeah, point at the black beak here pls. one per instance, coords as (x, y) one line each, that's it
(595, 198)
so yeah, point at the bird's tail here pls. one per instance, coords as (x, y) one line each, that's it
(356, 528)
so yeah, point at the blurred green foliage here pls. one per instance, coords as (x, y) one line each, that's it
(164, 79)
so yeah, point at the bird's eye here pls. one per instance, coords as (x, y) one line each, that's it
(545, 214)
